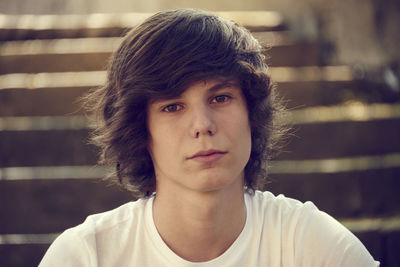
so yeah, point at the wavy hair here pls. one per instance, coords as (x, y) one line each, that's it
(159, 59)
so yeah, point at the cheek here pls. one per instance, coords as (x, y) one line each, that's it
(247, 142)
(155, 144)
(240, 134)
(246, 136)
(162, 146)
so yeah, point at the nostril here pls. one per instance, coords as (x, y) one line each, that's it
(209, 132)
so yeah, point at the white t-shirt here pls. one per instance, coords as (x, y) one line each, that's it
(279, 231)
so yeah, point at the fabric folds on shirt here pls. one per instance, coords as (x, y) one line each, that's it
(279, 231)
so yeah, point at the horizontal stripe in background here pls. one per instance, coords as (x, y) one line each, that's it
(327, 165)
(123, 20)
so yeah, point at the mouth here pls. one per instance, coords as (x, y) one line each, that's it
(207, 156)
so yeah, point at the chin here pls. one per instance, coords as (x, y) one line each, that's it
(218, 181)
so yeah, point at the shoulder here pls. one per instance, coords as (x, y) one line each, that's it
(112, 220)
(313, 237)
(281, 216)
(106, 220)
(270, 205)
(78, 246)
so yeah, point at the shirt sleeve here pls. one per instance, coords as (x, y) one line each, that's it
(68, 250)
(326, 242)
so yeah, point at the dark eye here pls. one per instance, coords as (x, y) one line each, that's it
(220, 99)
(172, 108)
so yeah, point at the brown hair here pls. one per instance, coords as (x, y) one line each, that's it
(158, 59)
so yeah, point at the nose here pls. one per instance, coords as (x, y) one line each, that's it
(202, 122)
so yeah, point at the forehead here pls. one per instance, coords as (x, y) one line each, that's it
(214, 80)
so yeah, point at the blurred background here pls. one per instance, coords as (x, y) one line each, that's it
(336, 63)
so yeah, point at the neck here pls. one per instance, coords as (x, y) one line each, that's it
(200, 226)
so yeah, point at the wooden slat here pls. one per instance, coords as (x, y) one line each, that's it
(32, 34)
(302, 94)
(22, 255)
(391, 255)
(343, 139)
(348, 194)
(53, 62)
(41, 102)
(46, 148)
(53, 172)
(21, 27)
(383, 246)
(54, 205)
(300, 54)
(330, 165)
(374, 241)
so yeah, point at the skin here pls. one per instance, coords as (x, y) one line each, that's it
(200, 143)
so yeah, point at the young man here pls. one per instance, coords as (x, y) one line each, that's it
(187, 119)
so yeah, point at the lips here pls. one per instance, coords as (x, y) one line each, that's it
(207, 156)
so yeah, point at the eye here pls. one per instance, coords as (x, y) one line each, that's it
(172, 108)
(221, 99)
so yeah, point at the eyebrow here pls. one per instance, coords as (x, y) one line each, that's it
(225, 84)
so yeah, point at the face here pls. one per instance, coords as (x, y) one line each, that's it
(200, 140)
